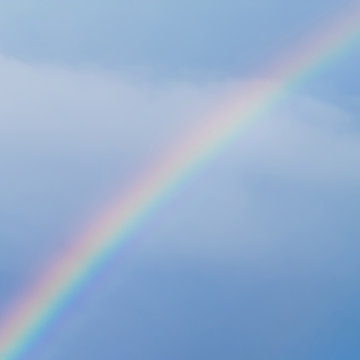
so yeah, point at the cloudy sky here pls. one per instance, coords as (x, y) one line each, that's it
(256, 256)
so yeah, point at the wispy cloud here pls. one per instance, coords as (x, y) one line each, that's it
(73, 137)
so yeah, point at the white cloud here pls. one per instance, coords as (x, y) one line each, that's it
(70, 135)
(84, 110)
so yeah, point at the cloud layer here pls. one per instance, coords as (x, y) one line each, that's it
(265, 220)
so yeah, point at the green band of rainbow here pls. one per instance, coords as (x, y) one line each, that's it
(27, 320)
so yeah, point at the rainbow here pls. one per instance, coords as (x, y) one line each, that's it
(24, 323)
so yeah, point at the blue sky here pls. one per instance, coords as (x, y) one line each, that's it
(256, 256)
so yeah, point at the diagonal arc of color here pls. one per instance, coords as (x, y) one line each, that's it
(28, 318)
